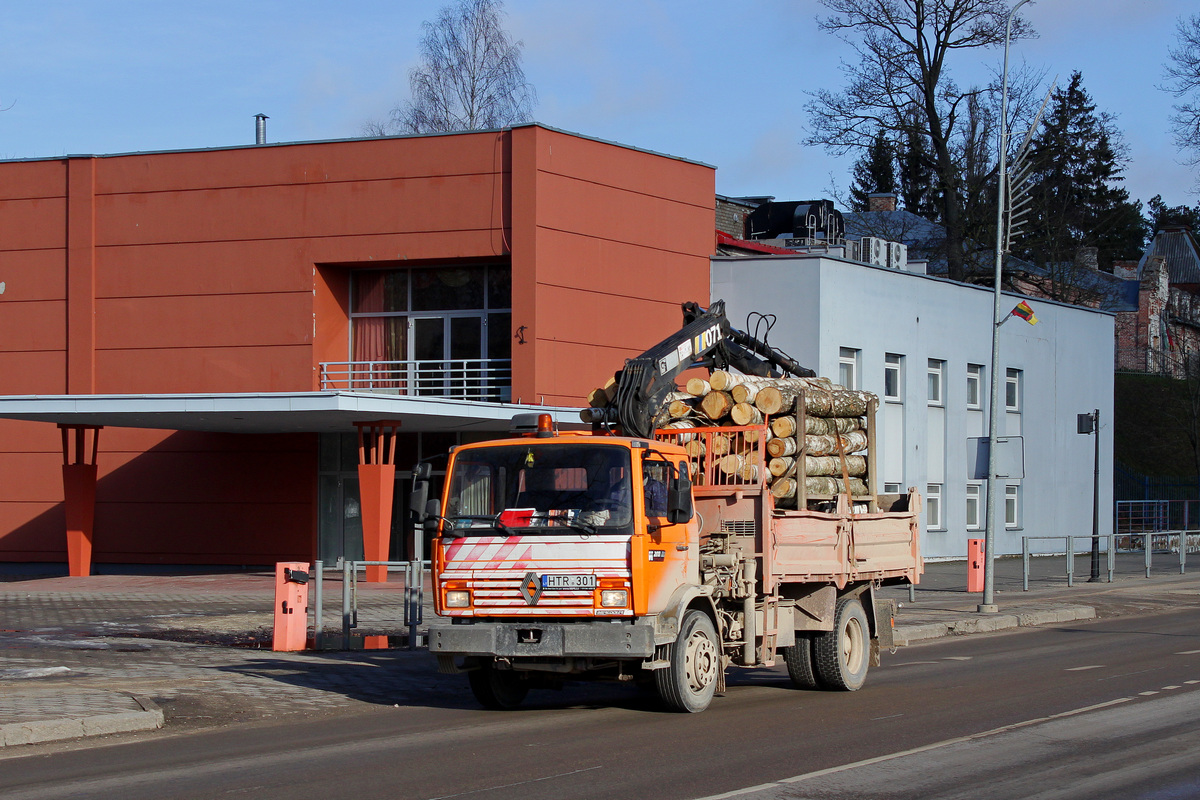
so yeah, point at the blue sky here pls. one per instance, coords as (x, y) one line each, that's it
(718, 82)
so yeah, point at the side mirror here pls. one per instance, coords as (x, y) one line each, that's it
(679, 500)
(430, 518)
(418, 501)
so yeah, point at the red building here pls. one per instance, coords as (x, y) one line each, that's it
(228, 315)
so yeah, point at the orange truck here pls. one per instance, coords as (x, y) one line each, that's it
(588, 555)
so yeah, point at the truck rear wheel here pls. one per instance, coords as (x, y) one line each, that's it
(496, 689)
(799, 662)
(689, 682)
(841, 656)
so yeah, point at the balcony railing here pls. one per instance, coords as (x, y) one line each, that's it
(462, 379)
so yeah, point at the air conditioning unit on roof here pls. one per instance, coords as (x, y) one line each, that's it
(897, 255)
(874, 251)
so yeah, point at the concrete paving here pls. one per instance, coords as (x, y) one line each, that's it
(133, 650)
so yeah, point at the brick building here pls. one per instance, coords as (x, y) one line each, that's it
(1162, 333)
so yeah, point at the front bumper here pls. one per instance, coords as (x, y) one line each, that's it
(531, 638)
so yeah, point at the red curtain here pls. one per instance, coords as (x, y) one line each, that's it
(371, 334)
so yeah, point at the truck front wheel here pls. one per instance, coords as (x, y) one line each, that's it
(690, 680)
(841, 655)
(496, 689)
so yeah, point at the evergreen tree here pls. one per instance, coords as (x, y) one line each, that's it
(918, 183)
(1077, 198)
(874, 173)
(1164, 216)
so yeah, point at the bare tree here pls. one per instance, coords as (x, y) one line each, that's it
(470, 77)
(900, 83)
(1183, 76)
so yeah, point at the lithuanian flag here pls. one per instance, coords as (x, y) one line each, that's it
(1024, 311)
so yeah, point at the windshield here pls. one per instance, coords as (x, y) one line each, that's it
(540, 488)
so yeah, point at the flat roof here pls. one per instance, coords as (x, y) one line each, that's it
(274, 412)
(248, 145)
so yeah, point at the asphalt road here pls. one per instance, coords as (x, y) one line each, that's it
(1100, 709)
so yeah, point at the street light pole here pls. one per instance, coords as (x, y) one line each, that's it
(988, 606)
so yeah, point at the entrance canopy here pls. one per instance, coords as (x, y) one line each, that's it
(274, 412)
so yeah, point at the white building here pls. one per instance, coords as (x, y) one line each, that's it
(923, 345)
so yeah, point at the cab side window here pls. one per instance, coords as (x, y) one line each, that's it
(654, 485)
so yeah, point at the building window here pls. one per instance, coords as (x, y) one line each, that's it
(891, 488)
(848, 367)
(933, 507)
(974, 513)
(1012, 506)
(936, 371)
(892, 366)
(1012, 390)
(974, 387)
(432, 330)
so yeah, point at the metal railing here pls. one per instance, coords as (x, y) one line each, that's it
(1149, 542)
(459, 378)
(1069, 549)
(414, 596)
(1140, 516)
(1160, 541)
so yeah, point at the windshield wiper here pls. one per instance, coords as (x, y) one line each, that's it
(493, 519)
(575, 524)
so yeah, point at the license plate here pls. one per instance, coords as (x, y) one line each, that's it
(568, 581)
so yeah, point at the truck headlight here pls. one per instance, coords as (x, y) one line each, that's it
(614, 598)
(458, 599)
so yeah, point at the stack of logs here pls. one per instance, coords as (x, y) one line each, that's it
(817, 431)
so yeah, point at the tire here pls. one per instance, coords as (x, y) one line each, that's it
(799, 660)
(497, 690)
(841, 656)
(689, 682)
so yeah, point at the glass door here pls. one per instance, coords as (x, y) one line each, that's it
(448, 351)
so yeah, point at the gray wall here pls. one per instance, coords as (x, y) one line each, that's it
(824, 304)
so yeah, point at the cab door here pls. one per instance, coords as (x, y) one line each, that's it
(671, 556)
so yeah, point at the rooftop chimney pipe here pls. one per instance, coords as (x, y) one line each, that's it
(260, 128)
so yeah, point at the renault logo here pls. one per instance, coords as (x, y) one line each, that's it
(531, 588)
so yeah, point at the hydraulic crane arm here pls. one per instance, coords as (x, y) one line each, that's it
(706, 339)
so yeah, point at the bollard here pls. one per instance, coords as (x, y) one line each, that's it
(291, 606)
(975, 565)
(319, 602)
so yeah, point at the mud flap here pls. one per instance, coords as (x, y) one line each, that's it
(885, 627)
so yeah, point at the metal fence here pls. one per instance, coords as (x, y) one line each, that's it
(1109, 550)
(1171, 544)
(461, 378)
(1142, 516)
(414, 597)
(1130, 485)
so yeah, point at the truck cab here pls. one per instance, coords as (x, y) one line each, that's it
(559, 555)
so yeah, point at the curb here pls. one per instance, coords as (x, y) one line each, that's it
(53, 730)
(910, 634)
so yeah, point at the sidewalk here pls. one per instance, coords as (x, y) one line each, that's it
(117, 653)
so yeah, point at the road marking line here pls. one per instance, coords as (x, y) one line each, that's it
(959, 658)
(1166, 688)
(913, 751)
(1146, 694)
(1081, 669)
(1188, 653)
(1190, 683)
(914, 663)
